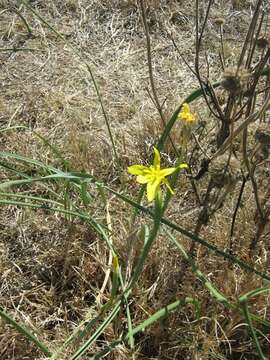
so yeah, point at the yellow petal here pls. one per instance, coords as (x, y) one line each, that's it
(156, 159)
(141, 179)
(166, 182)
(183, 166)
(152, 189)
(190, 117)
(186, 114)
(166, 172)
(137, 169)
(186, 108)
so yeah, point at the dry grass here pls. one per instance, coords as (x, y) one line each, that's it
(52, 269)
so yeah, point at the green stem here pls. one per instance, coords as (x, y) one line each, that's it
(244, 306)
(24, 332)
(157, 215)
(23, 20)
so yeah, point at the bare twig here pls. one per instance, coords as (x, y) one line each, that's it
(251, 118)
(150, 69)
(204, 86)
(250, 32)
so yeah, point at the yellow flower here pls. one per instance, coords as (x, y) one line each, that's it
(186, 115)
(153, 176)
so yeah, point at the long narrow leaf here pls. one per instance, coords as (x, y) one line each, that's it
(21, 329)
(82, 350)
(164, 312)
(244, 306)
(253, 293)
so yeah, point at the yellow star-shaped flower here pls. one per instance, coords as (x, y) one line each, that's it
(186, 114)
(153, 176)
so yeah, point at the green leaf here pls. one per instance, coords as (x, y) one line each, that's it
(82, 350)
(253, 293)
(21, 329)
(252, 330)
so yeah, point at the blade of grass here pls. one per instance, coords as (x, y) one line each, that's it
(253, 293)
(82, 350)
(211, 288)
(147, 244)
(164, 312)
(27, 160)
(18, 49)
(25, 177)
(30, 197)
(18, 12)
(244, 306)
(129, 320)
(22, 330)
(53, 148)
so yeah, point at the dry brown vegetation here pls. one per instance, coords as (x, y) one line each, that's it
(53, 267)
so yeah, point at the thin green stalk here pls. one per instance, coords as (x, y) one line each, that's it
(23, 20)
(129, 320)
(14, 49)
(82, 350)
(105, 118)
(253, 293)
(157, 215)
(244, 307)
(21, 329)
(213, 291)
(161, 313)
(32, 198)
